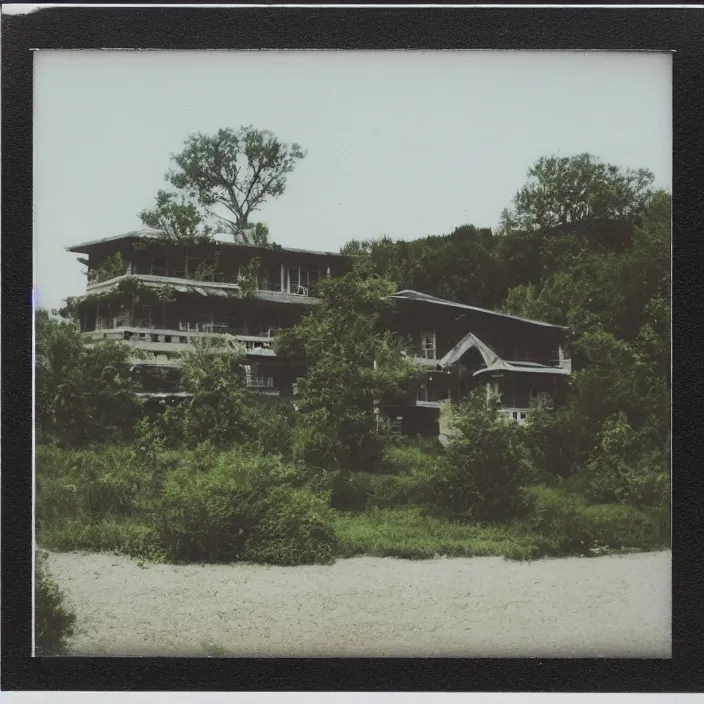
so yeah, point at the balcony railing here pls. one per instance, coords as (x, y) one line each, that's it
(519, 415)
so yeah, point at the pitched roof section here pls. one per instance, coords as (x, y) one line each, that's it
(409, 295)
(492, 362)
(151, 234)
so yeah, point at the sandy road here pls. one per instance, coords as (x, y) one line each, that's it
(614, 606)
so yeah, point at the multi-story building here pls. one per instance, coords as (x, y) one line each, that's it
(462, 347)
(161, 297)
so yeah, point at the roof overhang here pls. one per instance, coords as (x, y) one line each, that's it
(417, 296)
(149, 234)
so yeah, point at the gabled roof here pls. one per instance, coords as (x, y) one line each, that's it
(410, 295)
(152, 234)
(493, 363)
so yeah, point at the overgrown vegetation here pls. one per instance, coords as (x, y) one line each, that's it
(222, 477)
(54, 623)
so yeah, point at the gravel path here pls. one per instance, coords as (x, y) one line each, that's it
(614, 606)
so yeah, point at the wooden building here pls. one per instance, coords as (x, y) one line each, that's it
(161, 297)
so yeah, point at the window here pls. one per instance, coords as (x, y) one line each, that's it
(297, 280)
(180, 272)
(427, 344)
(159, 266)
(536, 395)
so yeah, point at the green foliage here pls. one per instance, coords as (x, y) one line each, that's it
(392, 490)
(461, 266)
(350, 362)
(411, 533)
(624, 467)
(571, 190)
(129, 292)
(571, 526)
(250, 275)
(178, 219)
(113, 481)
(272, 427)
(414, 455)
(296, 529)
(125, 536)
(484, 467)
(350, 490)
(54, 622)
(207, 515)
(216, 411)
(110, 268)
(83, 394)
(243, 507)
(237, 170)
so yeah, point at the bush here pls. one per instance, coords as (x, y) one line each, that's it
(389, 490)
(312, 445)
(624, 467)
(92, 483)
(125, 536)
(272, 427)
(483, 467)
(572, 526)
(208, 515)
(349, 491)
(295, 528)
(412, 456)
(221, 513)
(54, 623)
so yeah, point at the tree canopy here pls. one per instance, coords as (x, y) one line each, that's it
(224, 177)
(569, 191)
(351, 362)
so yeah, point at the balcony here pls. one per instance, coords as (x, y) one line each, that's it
(519, 415)
(262, 385)
(163, 346)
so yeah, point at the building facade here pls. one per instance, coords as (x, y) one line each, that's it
(161, 297)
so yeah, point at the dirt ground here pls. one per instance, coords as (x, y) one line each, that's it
(611, 606)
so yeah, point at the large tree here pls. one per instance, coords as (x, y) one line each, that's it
(566, 191)
(229, 174)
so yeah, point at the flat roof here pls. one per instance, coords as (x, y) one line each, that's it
(409, 295)
(150, 233)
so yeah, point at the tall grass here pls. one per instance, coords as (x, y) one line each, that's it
(413, 533)
(212, 505)
(200, 505)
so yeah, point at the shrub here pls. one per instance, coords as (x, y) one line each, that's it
(208, 515)
(295, 528)
(312, 445)
(350, 490)
(222, 513)
(272, 427)
(483, 468)
(624, 467)
(92, 483)
(412, 456)
(54, 623)
(570, 525)
(389, 490)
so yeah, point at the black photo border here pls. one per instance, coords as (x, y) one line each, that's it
(575, 28)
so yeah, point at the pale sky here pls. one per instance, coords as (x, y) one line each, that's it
(405, 144)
